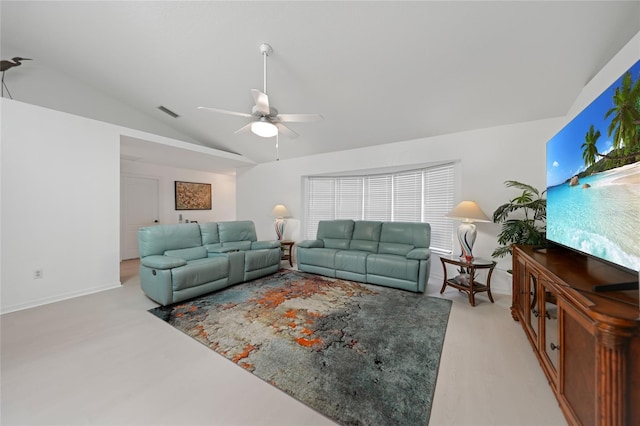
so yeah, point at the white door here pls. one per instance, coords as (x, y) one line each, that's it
(138, 207)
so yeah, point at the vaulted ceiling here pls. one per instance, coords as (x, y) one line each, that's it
(378, 72)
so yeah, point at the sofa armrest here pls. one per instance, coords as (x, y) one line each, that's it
(162, 262)
(419, 254)
(311, 244)
(259, 245)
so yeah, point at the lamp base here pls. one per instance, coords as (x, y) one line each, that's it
(467, 236)
(279, 225)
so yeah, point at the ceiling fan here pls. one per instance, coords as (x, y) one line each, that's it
(266, 120)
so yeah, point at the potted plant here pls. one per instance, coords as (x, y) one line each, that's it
(523, 219)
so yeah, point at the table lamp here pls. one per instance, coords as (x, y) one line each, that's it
(468, 212)
(280, 212)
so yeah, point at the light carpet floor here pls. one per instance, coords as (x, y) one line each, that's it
(103, 359)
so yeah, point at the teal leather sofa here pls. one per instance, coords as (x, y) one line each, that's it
(392, 254)
(178, 262)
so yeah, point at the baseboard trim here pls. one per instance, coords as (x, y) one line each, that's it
(58, 298)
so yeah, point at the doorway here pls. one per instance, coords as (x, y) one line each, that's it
(139, 206)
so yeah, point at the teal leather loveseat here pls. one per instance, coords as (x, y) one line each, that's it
(392, 254)
(178, 262)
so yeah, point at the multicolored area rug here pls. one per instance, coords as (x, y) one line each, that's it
(357, 353)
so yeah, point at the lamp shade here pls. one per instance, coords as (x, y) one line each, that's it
(280, 211)
(468, 211)
(264, 128)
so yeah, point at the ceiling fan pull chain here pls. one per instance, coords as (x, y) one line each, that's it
(264, 55)
(277, 147)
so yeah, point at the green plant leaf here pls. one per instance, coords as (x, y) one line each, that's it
(520, 185)
(501, 251)
(529, 230)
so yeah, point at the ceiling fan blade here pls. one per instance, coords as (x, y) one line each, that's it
(244, 128)
(286, 131)
(224, 111)
(299, 118)
(262, 101)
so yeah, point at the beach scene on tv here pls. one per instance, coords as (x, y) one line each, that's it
(593, 176)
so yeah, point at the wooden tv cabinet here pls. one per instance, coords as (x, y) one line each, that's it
(587, 343)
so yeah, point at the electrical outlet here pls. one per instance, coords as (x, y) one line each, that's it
(37, 274)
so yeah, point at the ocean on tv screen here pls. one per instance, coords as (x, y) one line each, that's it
(600, 215)
(593, 176)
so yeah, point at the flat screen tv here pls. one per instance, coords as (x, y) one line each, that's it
(593, 177)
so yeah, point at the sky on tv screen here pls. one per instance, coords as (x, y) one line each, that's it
(600, 215)
(564, 152)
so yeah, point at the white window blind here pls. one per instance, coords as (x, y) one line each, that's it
(348, 197)
(407, 197)
(423, 195)
(320, 198)
(438, 201)
(377, 197)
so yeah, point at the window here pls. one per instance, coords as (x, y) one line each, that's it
(423, 195)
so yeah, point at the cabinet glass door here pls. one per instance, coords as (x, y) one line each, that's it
(520, 287)
(534, 308)
(551, 341)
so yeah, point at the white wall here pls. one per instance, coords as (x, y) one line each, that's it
(40, 84)
(223, 191)
(60, 177)
(488, 157)
(60, 206)
(617, 66)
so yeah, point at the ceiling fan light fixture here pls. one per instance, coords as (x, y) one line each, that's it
(264, 128)
(266, 121)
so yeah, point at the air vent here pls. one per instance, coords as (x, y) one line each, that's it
(168, 111)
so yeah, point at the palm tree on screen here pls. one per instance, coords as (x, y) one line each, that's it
(590, 150)
(625, 114)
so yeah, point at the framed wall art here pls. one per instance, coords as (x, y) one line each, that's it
(193, 196)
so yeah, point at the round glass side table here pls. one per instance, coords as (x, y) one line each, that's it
(466, 276)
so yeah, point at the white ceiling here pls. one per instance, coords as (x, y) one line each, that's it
(378, 72)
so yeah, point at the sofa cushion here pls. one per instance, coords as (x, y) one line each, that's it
(400, 238)
(192, 253)
(260, 259)
(366, 235)
(352, 261)
(362, 245)
(389, 265)
(417, 234)
(160, 238)
(394, 248)
(336, 234)
(217, 248)
(323, 257)
(238, 245)
(241, 230)
(367, 230)
(259, 245)
(209, 233)
(200, 271)
(337, 243)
